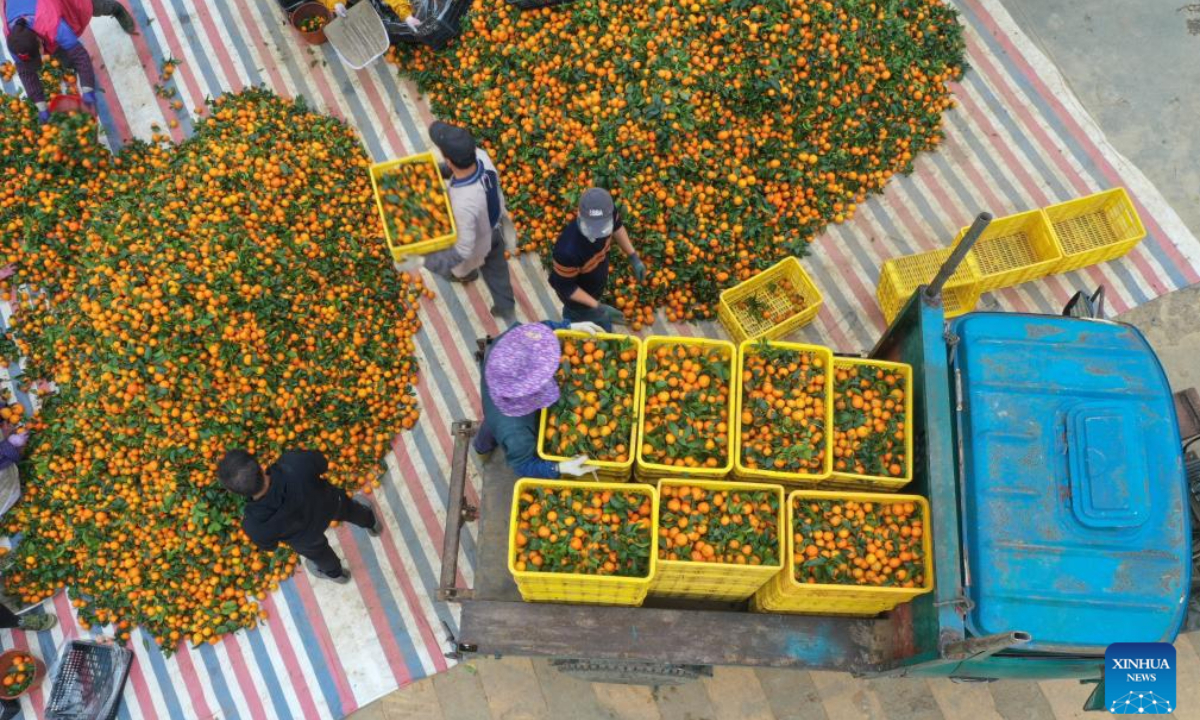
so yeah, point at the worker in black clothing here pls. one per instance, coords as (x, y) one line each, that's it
(292, 504)
(580, 271)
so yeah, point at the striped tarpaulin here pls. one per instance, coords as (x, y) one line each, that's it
(1018, 140)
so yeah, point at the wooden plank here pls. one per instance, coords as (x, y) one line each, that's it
(493, 581)
(699, 637)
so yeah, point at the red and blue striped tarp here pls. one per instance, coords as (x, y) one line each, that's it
(1018, 140)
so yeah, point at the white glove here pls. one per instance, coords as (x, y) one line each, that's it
(576, 466)
(18, 440)
(588, 327)
(410, 264)
(340, 9)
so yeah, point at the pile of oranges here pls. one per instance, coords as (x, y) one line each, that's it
(729, 133)
(414, 203)
(686, 405)
(858, 543)
(583, 532)
(870, 422)
(232, 291)
(594, 414)
(735, 527)
(783, 409)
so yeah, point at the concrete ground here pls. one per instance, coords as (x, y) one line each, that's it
(1134, 67)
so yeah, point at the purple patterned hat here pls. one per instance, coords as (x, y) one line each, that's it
(520, 370)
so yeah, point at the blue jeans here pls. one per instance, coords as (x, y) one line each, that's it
(586, 314)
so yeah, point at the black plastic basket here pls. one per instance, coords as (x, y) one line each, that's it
(89, 678)
(441, 22)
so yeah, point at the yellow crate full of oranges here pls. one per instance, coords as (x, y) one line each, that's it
(717, 540)
(686, 407)
(851, 554)
(872, 421)
(596, 413)
(583, 542)
(414, 205)
(784, 412)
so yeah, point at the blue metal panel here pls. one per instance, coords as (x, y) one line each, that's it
(1074, 520)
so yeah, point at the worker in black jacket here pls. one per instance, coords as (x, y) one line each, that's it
(292, 504)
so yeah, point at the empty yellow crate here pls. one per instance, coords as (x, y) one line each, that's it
(716, 581)
(649, 471)
(849, 480)
(741, 471)
(577, 588)
(900, 277)
(399, 250)
(784, 594)
(763, 289)
(605, 469)
(1095, 228)
(1014, 249)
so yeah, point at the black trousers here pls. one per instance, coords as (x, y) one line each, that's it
(316, 547)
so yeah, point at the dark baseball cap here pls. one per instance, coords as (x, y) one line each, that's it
(455, 142)
(596, 213)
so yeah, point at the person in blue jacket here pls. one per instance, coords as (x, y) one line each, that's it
(517, 381)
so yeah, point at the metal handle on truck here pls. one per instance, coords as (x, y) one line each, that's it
(933, 293)
(457, 512)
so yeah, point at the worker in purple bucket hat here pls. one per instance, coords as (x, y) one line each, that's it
(517, 381)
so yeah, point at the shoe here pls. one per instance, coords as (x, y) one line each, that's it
(339, 579)
(37, 622)
(377, 527)
(125, 20)
(468, 278)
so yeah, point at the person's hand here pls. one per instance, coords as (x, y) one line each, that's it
(43, 116)
(410, 264)
(613, 315)
(18, 440)
(639, 267)
(588, 327)
(576, 467)
(8, 271)
(89, 101)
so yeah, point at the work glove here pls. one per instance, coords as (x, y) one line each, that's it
(410, 264)
(590, 328)
(18, 440)
(613, 315)
(89, 100)
(639, 267)
(8, 271)
(576, 467)
(43, 116)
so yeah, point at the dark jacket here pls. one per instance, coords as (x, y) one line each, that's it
(298, 506)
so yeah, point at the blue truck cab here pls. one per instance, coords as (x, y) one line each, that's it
(1050, 451)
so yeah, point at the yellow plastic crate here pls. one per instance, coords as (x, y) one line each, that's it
(853, 481)
(648, 471)
(399, 251)
(742, 325)
(740, 471)
(900, 277)
(1096, 228)
(610, 470)
(717, 581)
(571, 587)
(783, 594)
(1014, 249)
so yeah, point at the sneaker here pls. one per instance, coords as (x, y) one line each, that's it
(37, 622)
(339, 579)
(377, 528)
(468, 278)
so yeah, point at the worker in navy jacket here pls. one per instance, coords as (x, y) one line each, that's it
(580, 271)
